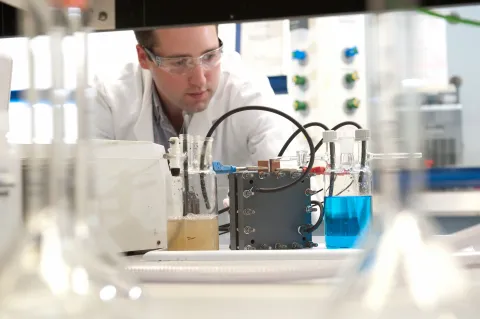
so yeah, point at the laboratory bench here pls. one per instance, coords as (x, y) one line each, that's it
(237, 300)
(244, 300)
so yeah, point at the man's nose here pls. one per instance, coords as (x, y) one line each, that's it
(197, 76)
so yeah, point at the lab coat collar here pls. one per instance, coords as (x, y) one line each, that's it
(143, 129)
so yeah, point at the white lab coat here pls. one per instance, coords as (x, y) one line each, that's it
(123, 111)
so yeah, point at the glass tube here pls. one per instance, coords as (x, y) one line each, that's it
(403, 271)
(53, 273)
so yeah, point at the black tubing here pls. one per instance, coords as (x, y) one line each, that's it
(266, 109)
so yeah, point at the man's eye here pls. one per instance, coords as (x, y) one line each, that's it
(181, 62)
(209, 56)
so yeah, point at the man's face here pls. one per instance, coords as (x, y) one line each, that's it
(188, 88)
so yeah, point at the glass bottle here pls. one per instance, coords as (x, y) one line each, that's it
(58, 270)
(197, 227)
(347, 191)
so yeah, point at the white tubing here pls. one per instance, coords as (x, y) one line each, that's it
(252, 255)
(260, 271)
(233, 272)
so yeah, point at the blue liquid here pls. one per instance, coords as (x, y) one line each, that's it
(346, 218)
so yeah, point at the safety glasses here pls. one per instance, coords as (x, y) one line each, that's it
(183, 65)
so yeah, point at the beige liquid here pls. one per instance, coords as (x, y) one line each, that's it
(193, 233)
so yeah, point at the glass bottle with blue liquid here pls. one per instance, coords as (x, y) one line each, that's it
(347, 188)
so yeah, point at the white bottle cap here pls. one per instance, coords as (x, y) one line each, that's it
(329, 136)
(362, 135)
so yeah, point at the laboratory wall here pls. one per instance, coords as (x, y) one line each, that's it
(311, 53)
(326, 61)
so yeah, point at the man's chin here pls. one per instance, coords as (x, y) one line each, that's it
(198, 107)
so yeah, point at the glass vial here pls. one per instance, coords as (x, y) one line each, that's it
(347, 207)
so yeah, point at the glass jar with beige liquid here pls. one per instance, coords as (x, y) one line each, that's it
(194, 225)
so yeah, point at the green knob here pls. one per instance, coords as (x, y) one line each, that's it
(351, 77)
(353, 103)
(299, 80)
(300, 106)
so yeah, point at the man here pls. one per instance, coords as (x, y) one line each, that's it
(185, 71)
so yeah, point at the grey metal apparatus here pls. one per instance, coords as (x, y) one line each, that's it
(268, 221)
(442, 125)
(443, 134)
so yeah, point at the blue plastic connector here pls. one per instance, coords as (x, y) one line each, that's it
(219, 168)
(299, 55)
(351, 52)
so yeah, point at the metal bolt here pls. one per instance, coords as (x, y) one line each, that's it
(295, 175)
(310, 244)
(248, 212)
(102, 16)
(296, 245)
(247, 175)
(248, 230)
(262, 175)
(247, 193)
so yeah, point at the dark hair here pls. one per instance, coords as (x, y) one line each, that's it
(146, 38)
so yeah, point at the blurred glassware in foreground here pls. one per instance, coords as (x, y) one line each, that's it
(403, 271)
(63, 268)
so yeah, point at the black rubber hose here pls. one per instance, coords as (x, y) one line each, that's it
(290, 139)
(223, 210)
(320, 217)
(266, 109)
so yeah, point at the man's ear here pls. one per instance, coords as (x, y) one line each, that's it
(142, 57)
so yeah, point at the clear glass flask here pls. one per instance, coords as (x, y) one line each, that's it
(10, 189)
(403, 270)
(58, 270)
(197, 227)
(347, 190)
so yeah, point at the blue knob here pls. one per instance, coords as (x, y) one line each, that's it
(351, 52)
(299, 55)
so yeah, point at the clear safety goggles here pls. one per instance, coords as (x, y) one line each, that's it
(183, 65)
